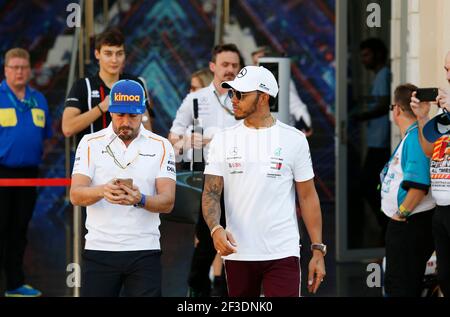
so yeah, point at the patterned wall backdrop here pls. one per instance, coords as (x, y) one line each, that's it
(166, 41)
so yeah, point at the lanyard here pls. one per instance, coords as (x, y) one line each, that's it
(223, 105)
(23, 105)
(102, 97)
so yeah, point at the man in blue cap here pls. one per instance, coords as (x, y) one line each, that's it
(435, 141)
(125, 176)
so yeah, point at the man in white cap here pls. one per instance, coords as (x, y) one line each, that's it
(260, 163)
(435, 140)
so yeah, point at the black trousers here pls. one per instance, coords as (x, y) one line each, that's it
(441, 233)
(204, 254)
(16, 209)
(124, 273)
(409, 245)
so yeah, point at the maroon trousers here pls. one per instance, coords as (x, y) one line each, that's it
(277, 278)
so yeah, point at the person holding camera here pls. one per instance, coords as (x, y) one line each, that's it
(435, 141)
(407, 202)
(122, 251)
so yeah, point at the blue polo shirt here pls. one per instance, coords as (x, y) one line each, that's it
(24, 125)
(378, 128)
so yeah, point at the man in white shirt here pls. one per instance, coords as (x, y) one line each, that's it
(260, 163)
(214, 113)
(122, 245)
(214, 106)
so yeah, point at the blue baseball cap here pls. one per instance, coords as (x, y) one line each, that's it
(437, 127)
(127, 96)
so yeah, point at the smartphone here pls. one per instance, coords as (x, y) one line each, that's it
(125, 181)
(427, 94)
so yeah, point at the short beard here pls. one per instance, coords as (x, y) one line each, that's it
(127, 137)
(250, 111)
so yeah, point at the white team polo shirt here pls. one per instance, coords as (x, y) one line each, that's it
(114, 227)
(214, 113)
(407, 168)
(259, 167)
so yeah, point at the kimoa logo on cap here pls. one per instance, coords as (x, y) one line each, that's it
(122, 97)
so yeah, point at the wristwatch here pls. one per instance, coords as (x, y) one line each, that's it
(319, 246)
(141, 203)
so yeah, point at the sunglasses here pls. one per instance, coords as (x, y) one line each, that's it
(116, 161)
(238, 94)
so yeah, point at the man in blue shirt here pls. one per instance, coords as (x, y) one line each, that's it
(374, 55)
(24, 125)
(407, 202)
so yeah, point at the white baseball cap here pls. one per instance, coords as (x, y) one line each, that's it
(252, 78)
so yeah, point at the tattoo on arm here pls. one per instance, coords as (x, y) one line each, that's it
(211, 200)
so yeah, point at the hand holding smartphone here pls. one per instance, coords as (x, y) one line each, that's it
(124, 181)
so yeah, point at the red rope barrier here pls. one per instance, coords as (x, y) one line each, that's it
(39, 182)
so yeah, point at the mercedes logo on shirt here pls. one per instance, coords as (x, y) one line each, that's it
(233, 153)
